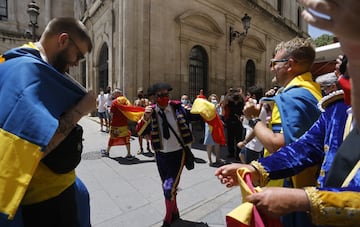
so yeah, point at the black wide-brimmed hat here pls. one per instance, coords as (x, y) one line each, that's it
(159, 86)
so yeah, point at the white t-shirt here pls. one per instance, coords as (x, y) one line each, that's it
(255, 144)
(101, 100)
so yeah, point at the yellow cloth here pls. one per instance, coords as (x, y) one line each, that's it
(30, 45)
(17, 168)
(133, 113)
(122, 100)
(334, 208)
(243, 213)
(305, 80)
(46, 184)
(205, 108)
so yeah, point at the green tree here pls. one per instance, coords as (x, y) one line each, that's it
(323, 40)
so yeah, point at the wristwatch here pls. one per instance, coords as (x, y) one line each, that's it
(253, 122)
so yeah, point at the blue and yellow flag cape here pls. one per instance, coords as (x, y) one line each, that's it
(297, 104)
(33, 95)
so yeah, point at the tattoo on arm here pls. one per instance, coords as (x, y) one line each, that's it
(66, 124)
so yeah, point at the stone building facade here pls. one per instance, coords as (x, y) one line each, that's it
(185, 43)
(14, 19)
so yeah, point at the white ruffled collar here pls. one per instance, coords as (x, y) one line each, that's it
(330, 98)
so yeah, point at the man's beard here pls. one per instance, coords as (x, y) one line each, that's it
(60, 63)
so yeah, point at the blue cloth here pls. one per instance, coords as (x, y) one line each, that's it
(326, 133)
(318, 145)
(33, 95)
(298, 111)
(83, 203)
(16, 222)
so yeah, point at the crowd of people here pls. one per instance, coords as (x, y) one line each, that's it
(301, 136)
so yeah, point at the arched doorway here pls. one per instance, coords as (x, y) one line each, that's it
(198, 71)
(250, 74)
(103, 81)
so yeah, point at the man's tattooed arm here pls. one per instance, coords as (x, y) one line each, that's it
(66, 123)
(69, 119)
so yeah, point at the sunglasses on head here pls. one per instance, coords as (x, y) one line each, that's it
(274, 61)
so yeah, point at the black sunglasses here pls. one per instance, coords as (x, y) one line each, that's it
(80, 55)
(273, 62)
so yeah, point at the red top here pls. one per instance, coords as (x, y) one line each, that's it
(346, 86)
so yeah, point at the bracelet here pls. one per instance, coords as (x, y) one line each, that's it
(253, 122)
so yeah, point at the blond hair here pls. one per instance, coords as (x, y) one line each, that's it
(300, 49)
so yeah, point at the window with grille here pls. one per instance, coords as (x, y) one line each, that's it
(280, 7)
(103, 67)
(198, 71)
(250, 74)
(3, 10)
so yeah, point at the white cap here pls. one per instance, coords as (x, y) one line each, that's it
(327, 79)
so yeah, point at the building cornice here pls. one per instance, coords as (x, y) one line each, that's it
(264, 10)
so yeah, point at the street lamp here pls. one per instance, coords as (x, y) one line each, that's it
(235, 34)
(33, 11)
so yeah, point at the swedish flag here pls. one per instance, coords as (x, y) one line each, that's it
(33, 95)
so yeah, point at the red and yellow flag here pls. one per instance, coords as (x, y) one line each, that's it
(133, 113)
(208, 112)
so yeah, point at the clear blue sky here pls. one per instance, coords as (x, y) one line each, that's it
(315, 32)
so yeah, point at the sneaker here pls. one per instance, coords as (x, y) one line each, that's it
(104, 153)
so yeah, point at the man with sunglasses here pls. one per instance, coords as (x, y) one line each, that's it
(293, 113)
(45, 106)
(163, 116)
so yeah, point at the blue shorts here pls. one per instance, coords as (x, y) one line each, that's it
(102, 115)
(251, 155)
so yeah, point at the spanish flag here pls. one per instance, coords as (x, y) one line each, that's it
(133, 113)
(33, 96)
(208, 112)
